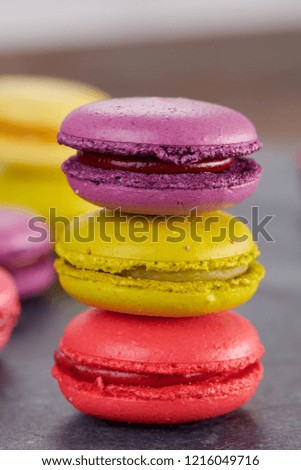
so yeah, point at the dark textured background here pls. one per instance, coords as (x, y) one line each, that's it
(33, 414)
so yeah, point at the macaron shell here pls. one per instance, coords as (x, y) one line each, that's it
(223, 236)
(9, 306)
(145, 297)
(138, 125)
(218, 401)
(20, 229)
(125, 343)
(163, 202)
(33, 280)
(163, 194)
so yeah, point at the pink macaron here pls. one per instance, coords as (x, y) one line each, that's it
(158, 370)
(26, 251)
(160, 155)
(9, 306)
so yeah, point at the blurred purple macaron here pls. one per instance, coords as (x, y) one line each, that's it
(26, 251)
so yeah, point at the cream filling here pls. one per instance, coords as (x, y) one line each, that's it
(185, 276)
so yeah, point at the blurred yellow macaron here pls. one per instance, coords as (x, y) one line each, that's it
(44, 191)
(32, 109)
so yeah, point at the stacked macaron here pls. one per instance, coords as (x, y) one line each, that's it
(164, 253)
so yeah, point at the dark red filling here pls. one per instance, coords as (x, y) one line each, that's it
(114, 377)
(151, 165)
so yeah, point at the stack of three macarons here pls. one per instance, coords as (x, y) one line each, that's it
(160, 344)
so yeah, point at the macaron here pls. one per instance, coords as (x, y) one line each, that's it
(161, 266)
(9, 306)
(158, 370)
(42, 190)
(160, 155)
(32, 109)
(26, 251)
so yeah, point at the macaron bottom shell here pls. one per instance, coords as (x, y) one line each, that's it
(169, 405)
(156, 201)
(163, 194)
(146, 297)
(33, 280)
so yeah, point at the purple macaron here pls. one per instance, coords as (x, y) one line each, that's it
(25, 250)
(162, 156)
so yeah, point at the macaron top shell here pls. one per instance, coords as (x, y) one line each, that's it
(21, 233)
(218, 342)
(100, 237)
(173, 129)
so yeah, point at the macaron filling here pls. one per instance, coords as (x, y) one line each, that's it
(185, 276)
(152, 165)
(243, 171)
(104, 376)
(178, 276)
(212, 270)
(158, 272)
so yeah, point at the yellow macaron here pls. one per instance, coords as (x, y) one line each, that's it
(32, 109)
(42, 190)
(158, 266)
